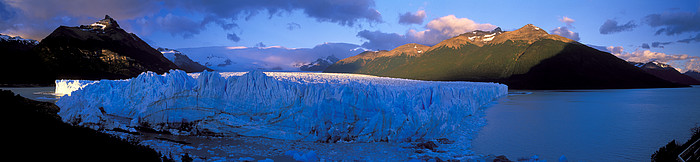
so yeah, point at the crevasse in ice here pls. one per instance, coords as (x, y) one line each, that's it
(282, 105)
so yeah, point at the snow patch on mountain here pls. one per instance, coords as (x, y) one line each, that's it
(283, 105)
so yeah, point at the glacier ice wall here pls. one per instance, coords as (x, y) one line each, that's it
(295, 106)
(65, 87)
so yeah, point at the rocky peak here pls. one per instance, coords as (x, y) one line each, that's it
(529, 28)
(529, 33)
(653, 65)
(657, 65)
(105, 24)
(481, 33)
(477, 37)
(497, 30)
(411, 49)
(104, 50)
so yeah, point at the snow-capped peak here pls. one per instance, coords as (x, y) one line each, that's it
(8, 38)
(167, 50)
(660, 64)
(104, 24)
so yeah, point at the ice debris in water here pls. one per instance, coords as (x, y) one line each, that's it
(283, 105)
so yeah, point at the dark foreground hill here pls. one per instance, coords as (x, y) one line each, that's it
(527, 58)
(19, 65)
(36, 133)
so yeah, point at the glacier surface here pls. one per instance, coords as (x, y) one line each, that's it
(65, 87)
(282, 105)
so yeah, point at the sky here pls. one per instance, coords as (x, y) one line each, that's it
(667, 31)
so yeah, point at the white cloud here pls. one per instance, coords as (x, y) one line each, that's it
(410, 18)
(567, 20)
(436, 30)
(615, 50)
(37, 18)
(453, 26)
(565, 32)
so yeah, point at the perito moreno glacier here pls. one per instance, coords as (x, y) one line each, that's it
(283, 105)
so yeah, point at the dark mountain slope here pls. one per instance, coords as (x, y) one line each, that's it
(693, 74)
(666, 72)
(19, 65)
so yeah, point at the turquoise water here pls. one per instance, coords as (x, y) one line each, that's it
(589, 125)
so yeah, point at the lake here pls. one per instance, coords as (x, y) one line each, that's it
(45, 94)
(589, 125)
(583, 125)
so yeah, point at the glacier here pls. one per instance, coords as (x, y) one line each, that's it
(65, 87)
(323, 107)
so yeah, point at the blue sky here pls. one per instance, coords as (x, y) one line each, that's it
(304, 24)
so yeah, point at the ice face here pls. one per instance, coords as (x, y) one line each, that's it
(296, 106)
(65, 87)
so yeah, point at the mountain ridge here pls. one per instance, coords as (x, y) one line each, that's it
(182, 61)
(666, 72)
(527, 58)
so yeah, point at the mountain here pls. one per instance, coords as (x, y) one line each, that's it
(320, 64)
(527, 58)
(101, 50)
(182, 61)
(19, 65)
(693, 74)
(277, 58)
(666, 72)
(19, 40)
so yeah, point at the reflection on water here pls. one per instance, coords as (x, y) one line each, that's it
(36, 93)
(589, 125)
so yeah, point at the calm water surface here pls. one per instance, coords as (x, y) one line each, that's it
(589, 125)
(35, 93)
